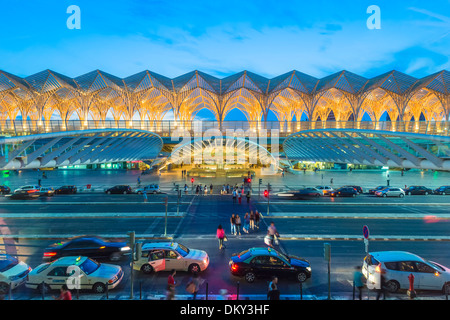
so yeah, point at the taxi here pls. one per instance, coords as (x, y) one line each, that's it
(13, 272)
(160, 256)
(77, 273)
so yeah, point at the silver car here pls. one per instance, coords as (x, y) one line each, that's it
(390, 192)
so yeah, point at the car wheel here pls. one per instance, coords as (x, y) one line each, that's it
(353, 195)
(446, 288)
(4, 288)
(146, 268)
(108, 192)
(115, 256)
(384, 195)
(409, 193)
(426, 193)
(99, 288)
(194, 268)
(443, 193)
(392, 286)
(337, 195)
(43, 288)
(124, 192)
(139, 192)
(401, 195)
(301, 276)
(250, 277)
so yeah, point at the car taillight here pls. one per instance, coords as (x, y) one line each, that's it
(49, 254)
(234, 267)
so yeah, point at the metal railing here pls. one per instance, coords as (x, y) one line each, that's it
(165, 128)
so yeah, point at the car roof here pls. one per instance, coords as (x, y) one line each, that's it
(263, 251)
(70, 260)
(391, 256)
(159, 245)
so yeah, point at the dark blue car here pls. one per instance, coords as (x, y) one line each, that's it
(267, 262)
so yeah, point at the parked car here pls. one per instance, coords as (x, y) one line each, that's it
(372, 191)
(121, 189)
(442, 190)
(29, 188)
(92, 275)
(88, 246)
(66, 190)
(152, 188)
(13, 272)
(5, 190)
(415, 190)
(390, 192)
(357, 188)
(398, 265)
(308, 193)
(47, 191)
(344, 192)
(159, 256)
(24, 195)
(325, 190)
(267, 262)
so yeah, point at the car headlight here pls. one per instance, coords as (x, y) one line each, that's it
(308, 268)
(125, 249)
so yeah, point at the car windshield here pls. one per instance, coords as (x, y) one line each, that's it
(284, 257)
(436, 266)
(182, 250)
(89, 266)
(7, 262)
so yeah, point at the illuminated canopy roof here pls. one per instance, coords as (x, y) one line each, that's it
(341, 96)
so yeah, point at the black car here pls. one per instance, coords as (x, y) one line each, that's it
(122, 189)
(357, 188)
(5, 190)
(372, 191)
(89, 246)
(414, 190)
(442, 190)
(24, 195)
(267, 262)
(344, 192)
(66, 190)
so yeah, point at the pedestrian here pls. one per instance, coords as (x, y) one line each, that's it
(357, 281)
(65, 293)
(257, 219)
(211, 188)
(382, 289)
(228, 188)
(252, 220)
(139, 180)
(234, 196)
(144, 193)
(197, 189)
(185, 188)
(171, 284)
(246, 227)
(273, 292)
(239, 197)
(331, 181)
(205, 190)
(233, 224)
(273, 234)
(194, 285)
(248, 196)
(238, 224)
(220, 233)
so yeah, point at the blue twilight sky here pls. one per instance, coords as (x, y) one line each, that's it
(224, 37)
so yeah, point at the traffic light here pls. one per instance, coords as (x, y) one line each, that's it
(138, 251)
(269, 186)
(266, 193)
(131, 239)
(260, 181)
(248, 180)
(192, 180)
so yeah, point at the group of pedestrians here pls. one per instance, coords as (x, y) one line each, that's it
(251, 223)
(358, 283)
(192, 287)
(200, 189)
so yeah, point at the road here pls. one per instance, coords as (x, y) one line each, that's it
(419, 224)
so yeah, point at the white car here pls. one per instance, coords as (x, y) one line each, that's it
(160, 256)
(151, 188)
(325, 189)
(390, 192)
(398, 266)
(30, 188)
(77, 273)
(13, 272)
